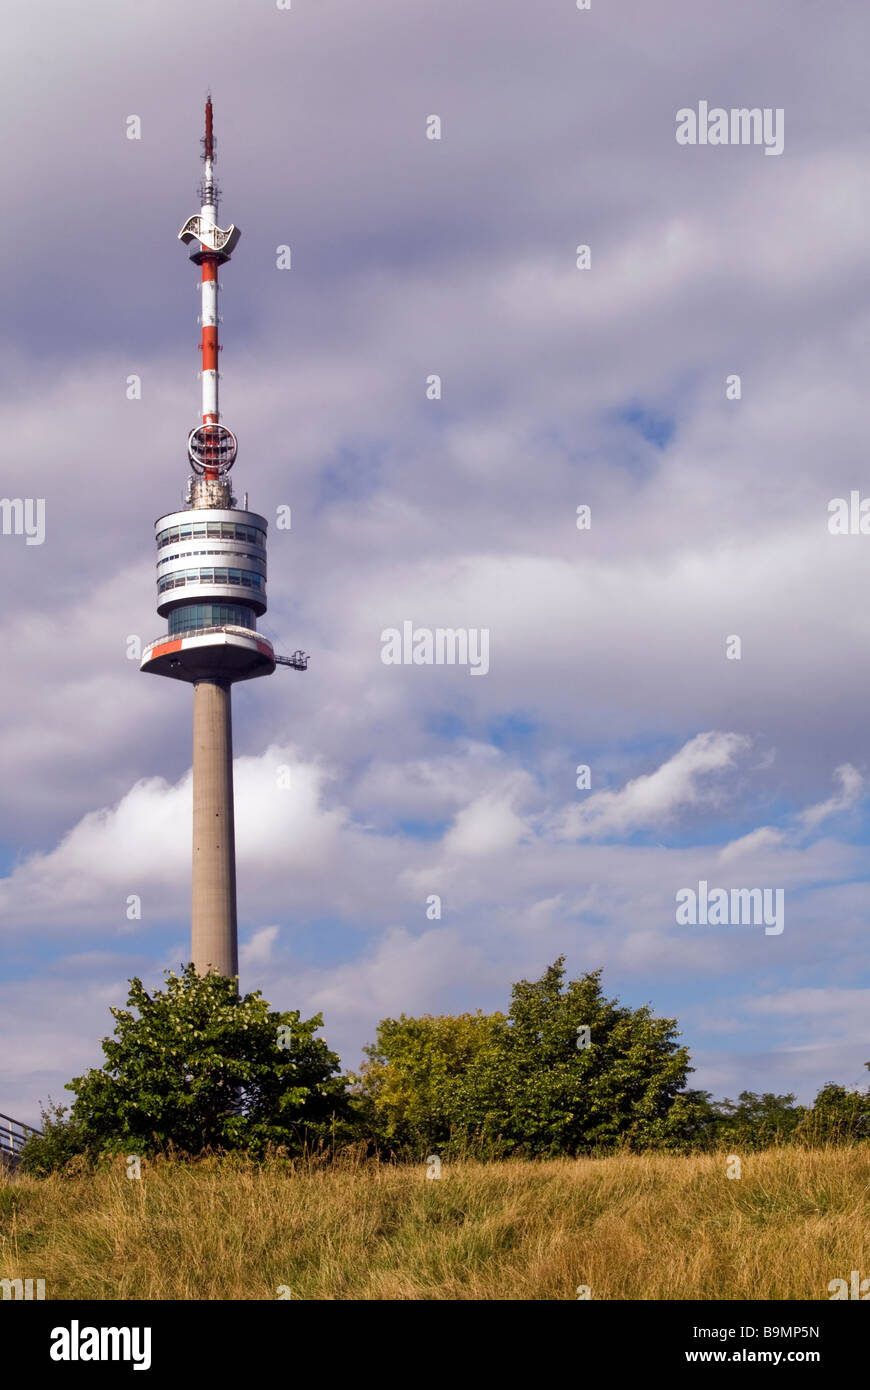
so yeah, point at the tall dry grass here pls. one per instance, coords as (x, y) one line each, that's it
(634, 1226)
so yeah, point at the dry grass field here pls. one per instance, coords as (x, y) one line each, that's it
(629, 1227)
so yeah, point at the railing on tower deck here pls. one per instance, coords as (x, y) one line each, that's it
(202, 631)
(13, 1136)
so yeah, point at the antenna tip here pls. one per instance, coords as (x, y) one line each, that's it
(209, 130)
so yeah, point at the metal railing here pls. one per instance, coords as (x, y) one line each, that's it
(299, 659)
(13, 1136)
(202, 631)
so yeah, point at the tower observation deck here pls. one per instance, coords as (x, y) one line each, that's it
(211, 588)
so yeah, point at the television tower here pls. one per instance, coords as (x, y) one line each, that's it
(211, 585)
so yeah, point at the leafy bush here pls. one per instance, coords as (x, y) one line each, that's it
(199, 1067)
(59, 1143)
(519, 1084)
(838, 1116)
(755, 1121)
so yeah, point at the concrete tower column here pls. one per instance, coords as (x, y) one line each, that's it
(213, 936)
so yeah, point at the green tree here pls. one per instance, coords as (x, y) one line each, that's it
(197, 1066)
(402, 1093)
(756, 1121)
(837, 1116)
(59, 1142)
(520, 1083)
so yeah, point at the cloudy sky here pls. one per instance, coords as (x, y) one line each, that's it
(362, 788)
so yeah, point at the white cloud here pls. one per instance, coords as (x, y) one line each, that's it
(656, 797)
(258, 951)
(142, 845)
(765, 837)
(488, 825)
(851, 790)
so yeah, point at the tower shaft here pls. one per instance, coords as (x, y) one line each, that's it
(213, 920)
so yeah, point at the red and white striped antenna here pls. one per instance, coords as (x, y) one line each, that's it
(211, 447)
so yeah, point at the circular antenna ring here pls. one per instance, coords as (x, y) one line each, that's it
(211, 448)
